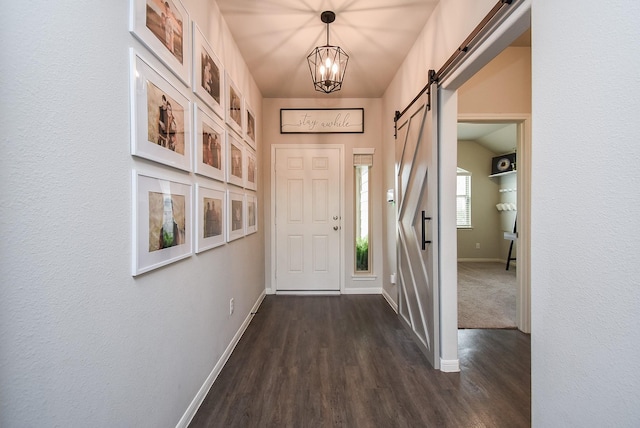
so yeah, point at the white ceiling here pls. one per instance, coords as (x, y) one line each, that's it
(275, 37)
(500, 138)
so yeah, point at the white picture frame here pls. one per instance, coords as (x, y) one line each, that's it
(251, 213)
(208, 74)
(235, 160)
(210, 151)
(234, 107)
(161, 119)
(211, 217)
(165, 32)
(158, 202)
(250, 165)
(250, 126)
(235, 215)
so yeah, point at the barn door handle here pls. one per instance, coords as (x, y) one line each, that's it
(424, 231)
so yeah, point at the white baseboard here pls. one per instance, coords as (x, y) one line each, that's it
(449, 366)
(390, 301)
(307, 293)
(185, 420)
(372, 290)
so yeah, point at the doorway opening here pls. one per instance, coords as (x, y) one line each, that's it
(487, 254)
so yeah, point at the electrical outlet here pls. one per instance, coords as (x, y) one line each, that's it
(231, 306)
(477, 245)
(393, 278)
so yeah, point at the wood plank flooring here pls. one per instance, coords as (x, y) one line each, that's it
(347, 361)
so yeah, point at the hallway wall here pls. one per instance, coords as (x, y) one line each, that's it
(82, 342)
(585, 341)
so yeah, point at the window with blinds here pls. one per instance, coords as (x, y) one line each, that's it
(463, 199)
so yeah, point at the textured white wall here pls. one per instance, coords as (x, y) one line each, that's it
(585, 271)
(82, 343)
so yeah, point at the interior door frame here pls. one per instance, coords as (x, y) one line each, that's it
(272, 226)
(501, 35)
(523, 202)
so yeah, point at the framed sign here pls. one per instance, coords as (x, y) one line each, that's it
(322, 121)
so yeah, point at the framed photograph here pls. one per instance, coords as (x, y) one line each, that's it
(211, 215)
(211, 152)
(208, 74)
(234, 106)
(160, 117)
(235, 219)
(161, 222)
(235, 158)
(251, 215)
(163, 27)
(250, 126)
(322, 121)
(251, 169)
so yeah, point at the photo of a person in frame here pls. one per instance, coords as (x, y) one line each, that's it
(236, 215)
(211, 147)
(251, 214)
(164, 21)
(251, 126)
(234, 106)
(210, 76)
(165, 120)
(212, 217)
(236, 161)
(166, 220)
(162, 123)
(251, 170)
(172, 128)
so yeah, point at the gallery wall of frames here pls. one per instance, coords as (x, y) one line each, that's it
(189, 115)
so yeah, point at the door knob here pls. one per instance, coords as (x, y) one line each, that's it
(335, 227)
(335, 217)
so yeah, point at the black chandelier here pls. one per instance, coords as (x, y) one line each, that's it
(327, 63)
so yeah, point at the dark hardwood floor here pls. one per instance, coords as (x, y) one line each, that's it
(347, 361)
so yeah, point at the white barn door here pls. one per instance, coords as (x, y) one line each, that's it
(417, 216)
(308, 219)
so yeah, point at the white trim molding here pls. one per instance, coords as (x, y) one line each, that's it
(523, 243)
(449, 366)
(390, 300)
(191, 411)
(307, 293)
(370, 290)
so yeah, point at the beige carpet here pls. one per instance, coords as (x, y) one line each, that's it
(486, 295)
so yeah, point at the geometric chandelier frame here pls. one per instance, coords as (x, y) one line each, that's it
(327, 63)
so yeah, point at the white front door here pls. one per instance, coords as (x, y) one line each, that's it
(417, 241)
(308, 220)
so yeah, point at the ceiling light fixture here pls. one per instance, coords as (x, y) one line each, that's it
(327, 63)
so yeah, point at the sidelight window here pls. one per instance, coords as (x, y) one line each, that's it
(362, 163)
